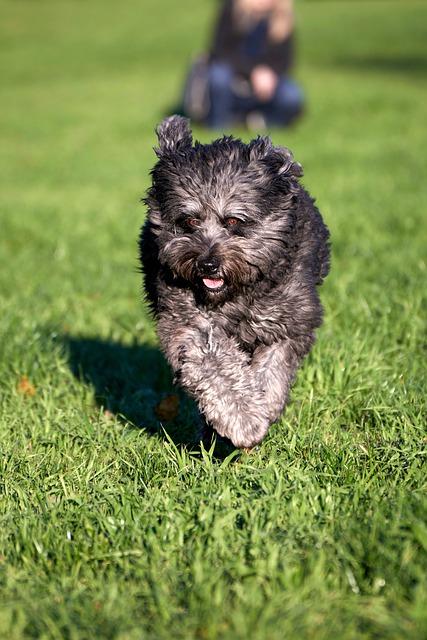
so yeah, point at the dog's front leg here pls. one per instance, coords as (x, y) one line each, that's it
(274, 368)
(217, 373)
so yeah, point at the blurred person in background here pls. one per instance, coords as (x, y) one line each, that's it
(246, 76)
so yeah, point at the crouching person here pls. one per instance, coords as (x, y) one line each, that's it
(246, 77)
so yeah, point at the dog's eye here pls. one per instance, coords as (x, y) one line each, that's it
(192, 222)
(232, 222)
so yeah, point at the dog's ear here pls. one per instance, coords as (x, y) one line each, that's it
(174, 134)
(287, 165)
(259, 148)
(280, 159)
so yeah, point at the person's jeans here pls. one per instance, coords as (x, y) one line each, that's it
(227, 107)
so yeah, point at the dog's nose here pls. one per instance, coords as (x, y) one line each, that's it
(208, 265)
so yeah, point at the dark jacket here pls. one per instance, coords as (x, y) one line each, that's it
(244, 51)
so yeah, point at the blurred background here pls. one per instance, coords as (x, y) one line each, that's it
(84, 84)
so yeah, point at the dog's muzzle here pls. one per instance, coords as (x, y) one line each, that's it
(209, 269)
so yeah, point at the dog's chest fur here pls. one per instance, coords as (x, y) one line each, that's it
(257, 317)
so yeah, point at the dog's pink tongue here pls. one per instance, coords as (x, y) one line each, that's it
(213, 283)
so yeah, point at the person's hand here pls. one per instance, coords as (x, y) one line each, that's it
(264, 82)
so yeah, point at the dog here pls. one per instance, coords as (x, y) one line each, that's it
(232, 251)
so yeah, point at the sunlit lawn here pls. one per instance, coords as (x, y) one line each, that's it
(109, 528)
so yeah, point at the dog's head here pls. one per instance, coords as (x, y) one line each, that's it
(223, 214)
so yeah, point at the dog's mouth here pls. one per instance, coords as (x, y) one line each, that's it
(213, 284)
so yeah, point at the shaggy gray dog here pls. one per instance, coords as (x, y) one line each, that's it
(232, 251)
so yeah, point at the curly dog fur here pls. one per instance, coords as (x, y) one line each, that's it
(233, 251)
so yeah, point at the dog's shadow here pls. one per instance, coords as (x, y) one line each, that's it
(134, 383)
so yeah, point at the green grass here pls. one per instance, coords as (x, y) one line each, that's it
(112, 530)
